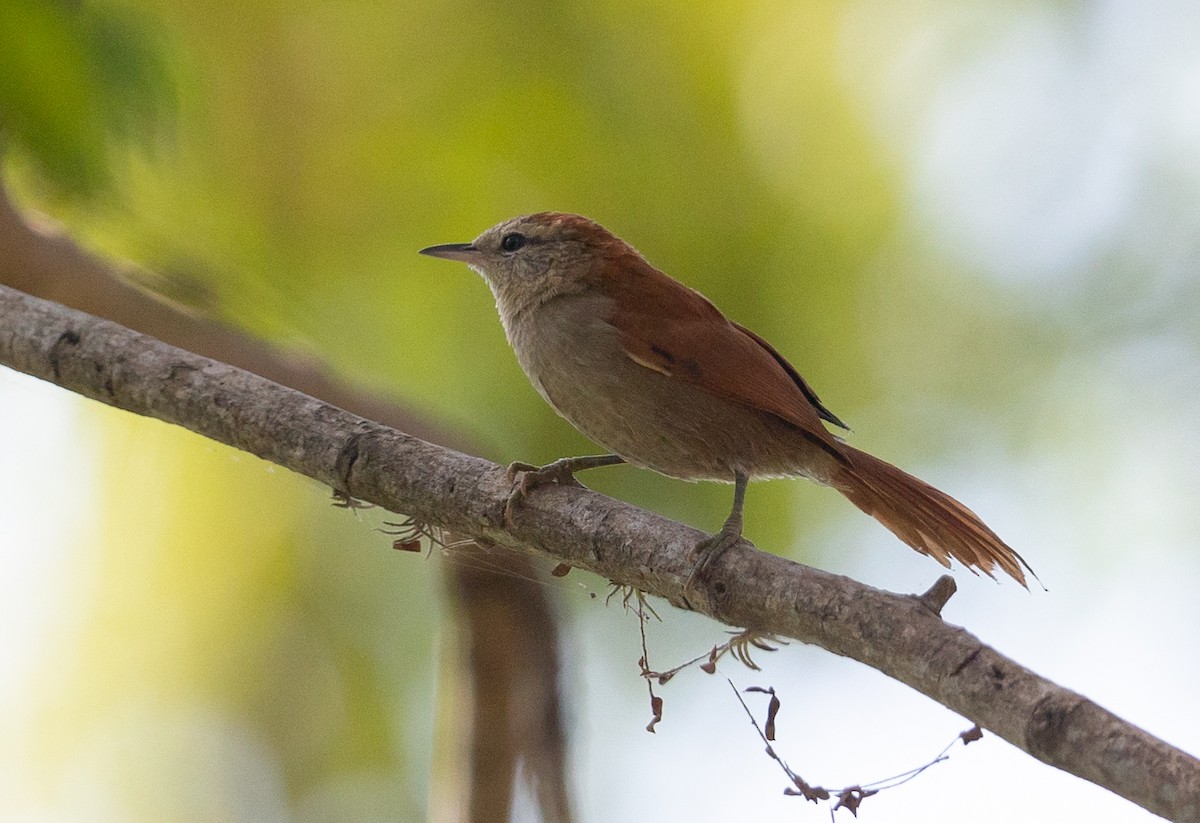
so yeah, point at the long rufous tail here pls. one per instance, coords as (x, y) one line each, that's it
(930, 521)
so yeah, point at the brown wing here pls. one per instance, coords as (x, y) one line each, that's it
(675, 330)
(825, 413)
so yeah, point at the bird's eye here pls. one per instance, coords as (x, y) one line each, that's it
(512, 242)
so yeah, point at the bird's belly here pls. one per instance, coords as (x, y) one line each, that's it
(663, 423)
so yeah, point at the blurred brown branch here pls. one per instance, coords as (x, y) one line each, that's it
(38, 259)
(902, 636)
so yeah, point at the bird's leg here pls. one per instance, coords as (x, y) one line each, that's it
(708, 551)
(561, 471)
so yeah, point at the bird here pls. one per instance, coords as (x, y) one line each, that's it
(652, 371)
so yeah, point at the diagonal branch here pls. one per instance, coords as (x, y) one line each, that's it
(902, 636)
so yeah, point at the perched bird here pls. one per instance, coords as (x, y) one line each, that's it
(655, 373)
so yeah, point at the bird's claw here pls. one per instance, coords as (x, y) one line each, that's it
(526, 477)
(519, 468)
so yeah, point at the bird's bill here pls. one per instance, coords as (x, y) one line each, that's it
(453, 251)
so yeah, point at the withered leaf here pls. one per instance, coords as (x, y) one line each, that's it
(772, 709)
(852, 797)
(656, 707)
(809, 793)
(972, 734)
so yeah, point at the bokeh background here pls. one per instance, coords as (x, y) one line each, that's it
(974, 227)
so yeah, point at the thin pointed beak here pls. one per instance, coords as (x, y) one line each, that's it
(453, 251)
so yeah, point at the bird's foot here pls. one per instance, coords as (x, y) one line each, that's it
(526, 477)
(708, 551)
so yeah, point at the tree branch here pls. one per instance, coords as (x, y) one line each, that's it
(902, 636)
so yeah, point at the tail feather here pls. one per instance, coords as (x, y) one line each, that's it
(930, 521)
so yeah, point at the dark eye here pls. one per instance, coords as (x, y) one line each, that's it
(512, 242)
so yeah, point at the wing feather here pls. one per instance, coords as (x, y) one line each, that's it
(676, 331)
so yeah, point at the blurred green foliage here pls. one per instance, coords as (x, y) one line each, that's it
(293, 157)
(76, 82)
(315, 146)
